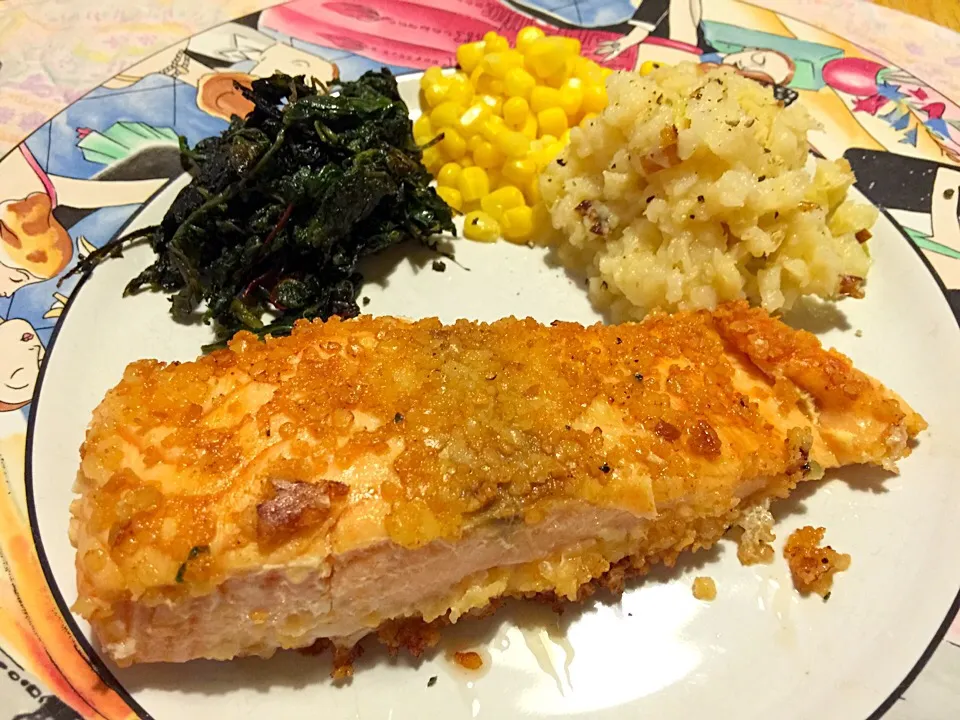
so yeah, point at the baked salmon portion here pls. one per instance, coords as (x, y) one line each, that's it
(377, 474)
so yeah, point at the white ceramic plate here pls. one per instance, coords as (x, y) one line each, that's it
(758, 651)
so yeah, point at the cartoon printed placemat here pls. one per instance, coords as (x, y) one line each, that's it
(93, 98)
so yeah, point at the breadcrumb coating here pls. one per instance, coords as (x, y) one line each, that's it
(273, 463)
(704, 588)
(813, 567)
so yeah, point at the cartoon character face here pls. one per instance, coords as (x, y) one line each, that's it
(14, 278)
(767, 66)
(218, 95)
(20, 354)
(292, 61)
(33, 245)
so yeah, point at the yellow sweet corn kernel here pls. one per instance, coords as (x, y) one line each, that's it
(479, 226)
(573, 47)
(557, 79)
(527, 36)
(433, 159)
(545, 56)
(500, 200)
(565, 138)
(431, 75)
(494, 103)
(486, 84)
(494, 42)
(587, 70)
(449, 175)
(486, 155)
(493, 127)
(473, 142)
(513, 144)
(545, 140)
(469, 55)
(453, 144)
(474, 183)
(466, 162)
(552, 121)
(571, 96)
(519, 170)
(422, 130)
(515, 112)
(541, 216)
(460, 89)
(451, 196)
(594, 98)
(542, 97)
(648, 67)
(518, 83)
(446, 115)
(531, 191)
(436, 93)
(530, 127)
(517, 223)
(499, 64)
(545, 155)
(585, 120)
(471, 122)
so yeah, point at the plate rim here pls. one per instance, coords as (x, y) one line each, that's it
(99, 665)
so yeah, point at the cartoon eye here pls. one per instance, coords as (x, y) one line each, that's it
(759, 58)
(27, 337)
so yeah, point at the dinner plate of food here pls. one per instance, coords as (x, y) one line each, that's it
(525, 385)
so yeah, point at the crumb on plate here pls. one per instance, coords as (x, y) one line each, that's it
(469, 660)
(754, 544)
(704, 588)
(812, 566)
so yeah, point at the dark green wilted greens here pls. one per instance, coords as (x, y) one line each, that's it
(285, 202)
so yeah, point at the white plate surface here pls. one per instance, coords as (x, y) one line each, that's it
(758, 651)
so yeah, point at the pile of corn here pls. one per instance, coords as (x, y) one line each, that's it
(504, 115)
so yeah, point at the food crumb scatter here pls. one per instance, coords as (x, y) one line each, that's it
(704, 588)
(469, 660)
(812, 566)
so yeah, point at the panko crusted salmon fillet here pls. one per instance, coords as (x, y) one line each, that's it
(359, 473)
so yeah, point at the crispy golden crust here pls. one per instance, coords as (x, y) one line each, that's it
(667, 538)
(465, 425)
(812, 566)
(704, 588)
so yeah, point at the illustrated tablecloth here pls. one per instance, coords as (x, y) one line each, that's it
(78, 83)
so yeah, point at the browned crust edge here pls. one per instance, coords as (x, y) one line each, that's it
(415, 636)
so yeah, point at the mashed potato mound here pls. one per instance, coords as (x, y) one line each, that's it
(692, 188)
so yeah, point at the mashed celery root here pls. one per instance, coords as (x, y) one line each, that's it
(693, 187)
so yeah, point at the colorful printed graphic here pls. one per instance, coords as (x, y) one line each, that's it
(78, 178)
